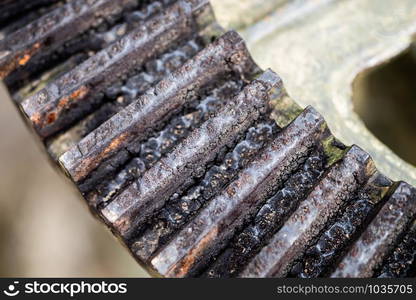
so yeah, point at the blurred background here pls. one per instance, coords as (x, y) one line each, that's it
(45, 228)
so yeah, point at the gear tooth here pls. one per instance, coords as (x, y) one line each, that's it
(368, 252)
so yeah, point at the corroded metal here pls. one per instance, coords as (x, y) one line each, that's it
(138, 201)
(379, 237)
(181, 208)
(218, 221)
(201, 163)
(307, 221)
(124, 92)
(321, 257)
(58, 26)
(60, 103)
(402, 261)
(154, 107)
(269, 218)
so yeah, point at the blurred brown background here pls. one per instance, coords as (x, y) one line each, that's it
(45, 229)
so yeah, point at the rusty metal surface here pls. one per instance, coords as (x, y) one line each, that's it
(269, 218)
(312, 214)
(153, 108)
(369, 250)
(217, 222)
(60, 103)
(58, 26)
(181, 209)
(320, 258)
(193, 167)
(401, 261)
(178, 168)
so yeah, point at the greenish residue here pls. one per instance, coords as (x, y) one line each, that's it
(285, 109)
(380, 187)
(332, 152)
(379, 193)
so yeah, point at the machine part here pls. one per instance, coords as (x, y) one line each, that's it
(195, 158)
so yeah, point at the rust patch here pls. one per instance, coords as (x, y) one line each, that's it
(27, 55)
(80, 93)
(115, 144)
(187, 263)
(63, 102)
(7, 68)
(36, 118)
(74, 96)
(24, 59)
(90, 163)
(48, 117)
(19, 60)
(51, 118)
